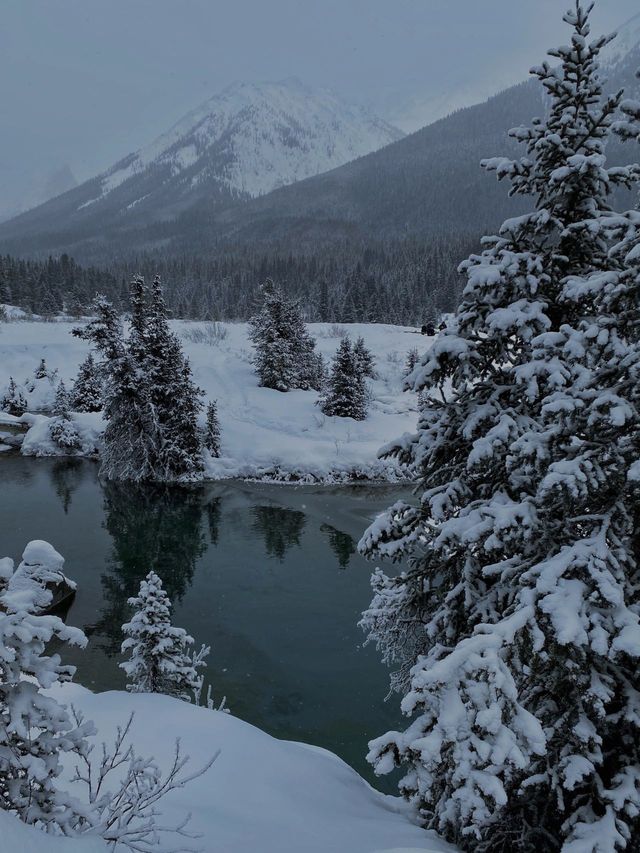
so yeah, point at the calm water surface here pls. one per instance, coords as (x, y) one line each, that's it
(266, 575)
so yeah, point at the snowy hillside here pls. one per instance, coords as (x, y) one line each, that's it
(241, 143)
(301, 799)
(252, 138)
(265, 433)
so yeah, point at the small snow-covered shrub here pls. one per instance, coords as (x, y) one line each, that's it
(127, 814)
(65, 433)
(212, 334)
(337, 331)
(13, 401)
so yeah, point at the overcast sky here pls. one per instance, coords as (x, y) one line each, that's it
(84, 82)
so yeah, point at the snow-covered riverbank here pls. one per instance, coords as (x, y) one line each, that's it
(261, 795)
(265, 434)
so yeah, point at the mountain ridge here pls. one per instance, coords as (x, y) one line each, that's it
(241, 143)
(426, 183)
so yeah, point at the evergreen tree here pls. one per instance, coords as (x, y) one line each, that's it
(62, 401)
(212, 430)
(159, 656)
(14, 402)
(345, 395)
(41, 371)
(150, 401)
(86, 395)
(285, 355)
(412, 359)
(61, 427)
(131, 435)
(364, 359)
(35, 730)
(515, 627)
(173, 394)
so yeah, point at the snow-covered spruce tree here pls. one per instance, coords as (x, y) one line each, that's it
(413, 356)
(364, 358)
(345, 395)
(61, 428)
(514, 629)
(35, 730)
(86, 395)
(285, 356)
(41, 371)
(159, 656)
(212, 430)
(62, 401)
(150, 401)
(173, 394)
(14, 402)
(131, 435)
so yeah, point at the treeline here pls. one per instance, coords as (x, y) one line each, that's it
(52, 286)
(399, 282)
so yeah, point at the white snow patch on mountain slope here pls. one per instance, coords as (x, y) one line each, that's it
(270, 134)
(264, 432)
(627, 39)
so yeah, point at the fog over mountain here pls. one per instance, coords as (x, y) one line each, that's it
(233, 172)
(85, 83)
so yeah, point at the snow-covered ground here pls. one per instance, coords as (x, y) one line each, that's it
(261, 795)
(264, 433)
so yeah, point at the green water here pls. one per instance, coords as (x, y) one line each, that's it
(266, 575)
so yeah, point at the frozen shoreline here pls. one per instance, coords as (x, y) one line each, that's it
(267, 436)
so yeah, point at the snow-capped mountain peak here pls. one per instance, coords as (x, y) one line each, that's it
(250, 139)
(627, 40)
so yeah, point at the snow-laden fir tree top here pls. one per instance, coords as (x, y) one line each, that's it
(86, 395)
(515, 627)
(159, 659)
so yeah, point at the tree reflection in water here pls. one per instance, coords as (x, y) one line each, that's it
(214, 515)
(152, 527)
(66, 476)
(342, 545)
(280, 527)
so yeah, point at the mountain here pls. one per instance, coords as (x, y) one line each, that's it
(427, 184)
(242, 143)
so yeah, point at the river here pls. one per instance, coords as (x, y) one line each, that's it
(267, 575)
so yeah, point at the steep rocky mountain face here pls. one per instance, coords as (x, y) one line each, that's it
(242, 143)
(182, 196)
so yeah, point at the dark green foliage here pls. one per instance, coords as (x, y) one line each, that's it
(14, 402)
(62, 401)
(212, 430)
(284, 356)
(150, 401)
(346, 394)
(86, 395)
(364, 359)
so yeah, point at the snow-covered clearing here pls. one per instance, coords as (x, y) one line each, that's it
(265, 433)
(261, 795)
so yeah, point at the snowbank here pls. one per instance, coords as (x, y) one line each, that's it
(261, 795)
(265, 434)
(38, 441)
(17, 837)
